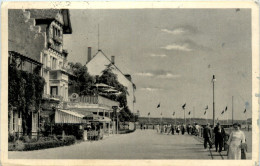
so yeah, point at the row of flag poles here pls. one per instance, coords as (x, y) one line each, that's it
(205, 113)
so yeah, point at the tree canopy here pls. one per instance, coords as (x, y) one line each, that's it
(81, 81)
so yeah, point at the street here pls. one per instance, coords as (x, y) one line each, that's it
(141, 144)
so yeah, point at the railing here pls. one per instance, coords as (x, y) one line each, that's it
(58, 39)
(88, 100)
(47, 96)
(56, 97)
(107, 102)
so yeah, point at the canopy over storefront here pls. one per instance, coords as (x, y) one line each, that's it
(97, 118)
(68, 117)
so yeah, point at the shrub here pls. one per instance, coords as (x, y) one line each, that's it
(11, 146)
(42, 143)
(24, 139)
(19, 145)
(68, 140)
(11, 137)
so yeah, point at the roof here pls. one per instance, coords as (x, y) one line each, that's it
(23, 57)
(74, 113)
(110, 64)
(47, 15)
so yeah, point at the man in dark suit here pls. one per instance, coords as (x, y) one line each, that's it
(219, 137)
(207, 136)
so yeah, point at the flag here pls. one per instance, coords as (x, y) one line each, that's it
(189, 113)
(226, 109)
(205, 112)
(184, 105)
(173, 114)
(158, 105)
(206, 108)
(148, 113)
(245, 111)
(222, 112)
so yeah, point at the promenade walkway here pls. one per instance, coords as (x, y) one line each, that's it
(141, 144)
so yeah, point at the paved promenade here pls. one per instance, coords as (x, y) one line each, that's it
(142, 144)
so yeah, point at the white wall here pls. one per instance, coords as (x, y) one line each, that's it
(99, 63)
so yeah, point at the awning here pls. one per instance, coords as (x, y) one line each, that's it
(97, 118)
(68, 117)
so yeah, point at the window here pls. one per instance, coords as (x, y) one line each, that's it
(60, 64)
(54, 90)
(44, 60)
(53, 63)
(13, 120)
(53, 32)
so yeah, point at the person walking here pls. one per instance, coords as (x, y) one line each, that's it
(182, 129)
(178, 129)
(219, 137)
(207, 136)
(236, 142)
(172, 129)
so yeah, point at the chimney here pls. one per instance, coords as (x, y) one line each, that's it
(89, 54)
(113, 59)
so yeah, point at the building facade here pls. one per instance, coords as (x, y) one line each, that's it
(37, 34)
(54, 23)
(100, 62)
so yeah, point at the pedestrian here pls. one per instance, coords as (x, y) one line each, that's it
(172, 129)
(188, 129)
(169, 128)
(197, 129)
(219, 137)
(182, 129)
(236, 142)
(178, 129)
(207, 136)
(141, 126)
(158, 128)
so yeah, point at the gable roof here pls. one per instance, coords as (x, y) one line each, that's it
(110, 64)
(47, 15)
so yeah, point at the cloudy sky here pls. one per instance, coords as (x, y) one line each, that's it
(172, 55)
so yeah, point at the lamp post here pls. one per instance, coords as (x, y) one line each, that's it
(115, 108)
(117, 111)
(213, 81)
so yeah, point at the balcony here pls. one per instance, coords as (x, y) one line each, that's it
(47, 68)
(58, 39)
(59, 75)
(92, 101)
(52, 97)
(56, 97)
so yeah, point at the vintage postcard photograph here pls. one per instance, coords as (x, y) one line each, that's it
(130, 83)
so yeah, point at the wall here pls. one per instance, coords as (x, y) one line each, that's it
(23, 36)
(99, 63)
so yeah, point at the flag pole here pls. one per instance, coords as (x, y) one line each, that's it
(232, 111)
(190, 119)
(227, 118)
(184, 117)
(206, 117)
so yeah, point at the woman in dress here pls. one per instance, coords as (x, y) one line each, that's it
(235, 142)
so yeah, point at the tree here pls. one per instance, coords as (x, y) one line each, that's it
(81, 81)
(110, 78)
(25, 92)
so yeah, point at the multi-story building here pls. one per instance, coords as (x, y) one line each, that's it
(38, 35)
(25, 43)
(100, 62)
(54, 23)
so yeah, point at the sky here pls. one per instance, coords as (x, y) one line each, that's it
(172, 55)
